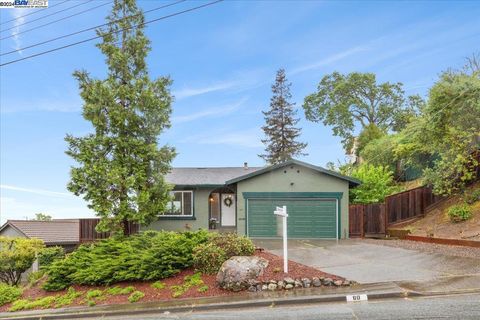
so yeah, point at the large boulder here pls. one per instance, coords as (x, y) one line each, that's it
(237, 272)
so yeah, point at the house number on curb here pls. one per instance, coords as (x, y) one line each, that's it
(357, 297)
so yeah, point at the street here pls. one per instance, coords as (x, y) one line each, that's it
(465, 306)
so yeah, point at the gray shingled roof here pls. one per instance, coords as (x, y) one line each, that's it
(54, 232)
(206, 176)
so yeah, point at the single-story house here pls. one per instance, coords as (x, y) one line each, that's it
(242, 200)
(57, 232)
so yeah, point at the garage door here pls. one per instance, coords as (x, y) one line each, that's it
(307, 218)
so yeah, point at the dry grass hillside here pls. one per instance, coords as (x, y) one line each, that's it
(437, 222)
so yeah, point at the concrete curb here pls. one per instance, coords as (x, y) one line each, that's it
(375, 291)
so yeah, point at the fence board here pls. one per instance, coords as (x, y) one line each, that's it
(88, 232)
(373, 219)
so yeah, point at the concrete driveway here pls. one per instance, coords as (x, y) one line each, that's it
(369, 263)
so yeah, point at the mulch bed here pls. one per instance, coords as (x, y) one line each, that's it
(274, 271)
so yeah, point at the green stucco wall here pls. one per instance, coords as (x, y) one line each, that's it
(200, 211)
(281, 179)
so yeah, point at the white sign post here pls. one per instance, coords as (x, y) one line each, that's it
(282, 212)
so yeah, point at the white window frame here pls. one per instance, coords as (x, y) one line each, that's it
(182, 205)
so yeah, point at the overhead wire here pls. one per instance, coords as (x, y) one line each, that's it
(55, 21)
(85, 30)
(34, 12)
(124, 29)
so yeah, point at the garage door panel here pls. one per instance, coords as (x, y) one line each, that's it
(308, 218)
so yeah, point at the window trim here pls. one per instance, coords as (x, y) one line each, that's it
(191, 215)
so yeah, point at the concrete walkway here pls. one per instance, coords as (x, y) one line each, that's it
(370, 263)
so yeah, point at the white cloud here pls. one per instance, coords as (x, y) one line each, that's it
(36, 191)
(249, 138)
(17, 15)
(329, 60)
(211, 112)
(190, 92)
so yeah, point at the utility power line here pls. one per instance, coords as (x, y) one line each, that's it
(124, 29)
(55, 21)
(32, 13)
(46, 16)
(88, 29)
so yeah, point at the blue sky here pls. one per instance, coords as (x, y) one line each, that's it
(222, 60)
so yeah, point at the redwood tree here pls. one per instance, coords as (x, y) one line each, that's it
(121, 168)
(280, 128)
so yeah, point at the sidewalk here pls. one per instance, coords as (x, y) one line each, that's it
(450, 285)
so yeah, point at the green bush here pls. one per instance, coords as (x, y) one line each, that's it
(377, 183)
(158, 285)
(135, 296)
(473, 196)
(48, 255)
(208, 258)
(41, 303)
(148, 256)
(9, 293)
(16, 256)
(459, 213)
(34, 277)
(117, 291)
(234, 244)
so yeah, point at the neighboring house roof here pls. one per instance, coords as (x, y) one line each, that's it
(206, 176)
(352, 181)
(54, 232)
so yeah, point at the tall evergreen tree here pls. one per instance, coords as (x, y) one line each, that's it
(121, 167)
(280, 128)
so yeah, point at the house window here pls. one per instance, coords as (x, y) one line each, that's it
(181, 204)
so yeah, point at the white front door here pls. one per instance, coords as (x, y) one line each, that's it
(228, 210)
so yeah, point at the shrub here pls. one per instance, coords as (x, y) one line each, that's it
(16, 256)
(9, 293)
(67, 298)
(473, 196)
(208, 258)
(190, 281)
(148, 256)
(42, 303)
(94, 294)
(158, 285)
(34, 277)
(234, 244)
(135, 296)
(48, 255)
(377, 183)
(117, 291)
(459, 213)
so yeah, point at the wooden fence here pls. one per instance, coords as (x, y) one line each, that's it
(88, 232)
(374, 219)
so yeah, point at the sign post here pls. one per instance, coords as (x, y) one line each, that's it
(282, 212)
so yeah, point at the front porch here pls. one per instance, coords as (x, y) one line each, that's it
(222, 210)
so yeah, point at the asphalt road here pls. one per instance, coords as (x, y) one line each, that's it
(463, 307)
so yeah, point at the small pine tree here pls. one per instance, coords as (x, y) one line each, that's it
(280, 130)
(121, 167)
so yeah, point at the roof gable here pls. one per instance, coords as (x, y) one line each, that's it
(352, 181)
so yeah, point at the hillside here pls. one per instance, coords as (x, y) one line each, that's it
(437, 223)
